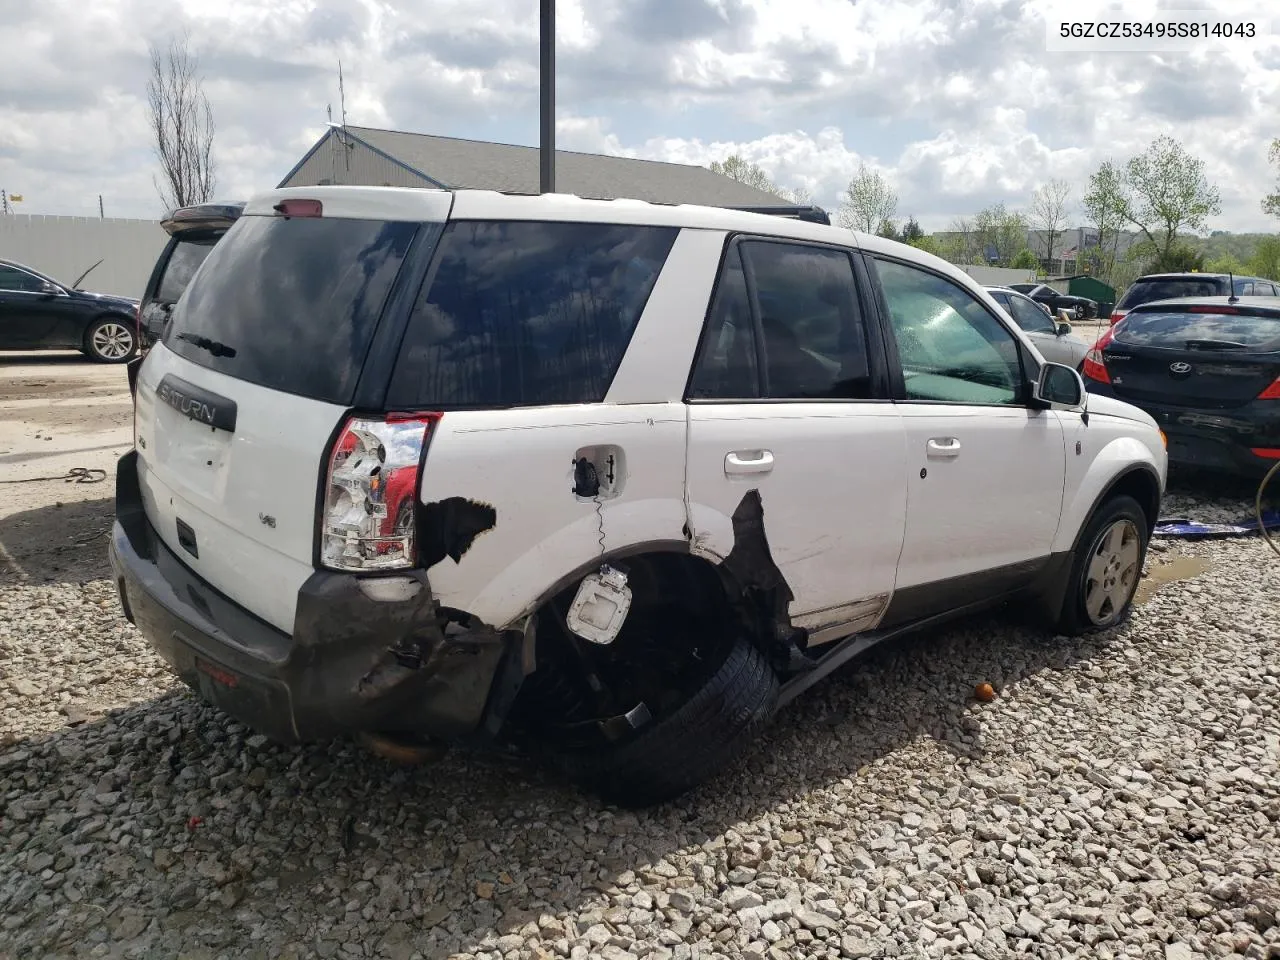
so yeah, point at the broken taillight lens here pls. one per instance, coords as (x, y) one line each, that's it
(370, 491)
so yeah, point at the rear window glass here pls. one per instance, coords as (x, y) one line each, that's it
(525, 313)
(183, 263)
(291, 304)
(1175, 329)
(1147, 291)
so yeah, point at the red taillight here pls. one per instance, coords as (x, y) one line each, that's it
(1201, 309)
(1272, 392)
(299, 208)
(1267, 453)
(371, 486)
(1117, 316)
(1095, 367)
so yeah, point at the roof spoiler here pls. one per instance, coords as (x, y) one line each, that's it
(808, 213)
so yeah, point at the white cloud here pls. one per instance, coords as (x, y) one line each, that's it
(958, 104)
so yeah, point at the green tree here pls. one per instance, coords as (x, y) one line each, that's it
(1181, 257)
(1266, 259)
(927, 243)
(1026, 259)
(1271, 203)
(911, 231)
(868, 201)
(1164, 190)
(997, 228)
(889, 230)
(1227, 263)
(1103, 206)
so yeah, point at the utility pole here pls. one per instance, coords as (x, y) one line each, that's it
(101, 215)
(547, 140)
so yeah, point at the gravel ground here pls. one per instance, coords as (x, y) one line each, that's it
(1120, 797)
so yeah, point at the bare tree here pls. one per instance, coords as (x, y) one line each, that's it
(1049, 213)
(868, 202)
(182, 124)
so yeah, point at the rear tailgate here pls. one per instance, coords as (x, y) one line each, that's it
(1194, 359)
(235, 410)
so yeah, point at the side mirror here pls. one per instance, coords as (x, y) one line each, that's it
(1060, 387)
(1063, 328)
(48, 289)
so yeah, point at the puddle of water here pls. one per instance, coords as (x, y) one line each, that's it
(1170, 571)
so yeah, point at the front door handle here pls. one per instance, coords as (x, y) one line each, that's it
(747, 461)
(943, 447)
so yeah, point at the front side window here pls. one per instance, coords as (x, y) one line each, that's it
(12, 278)
(800, 338)
(524, 313)
(951, 348)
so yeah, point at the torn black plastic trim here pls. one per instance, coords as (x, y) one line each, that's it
(751, 567)
(448, 528)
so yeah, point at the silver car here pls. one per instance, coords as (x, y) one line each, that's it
(1052, 338)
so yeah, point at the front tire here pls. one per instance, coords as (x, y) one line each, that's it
(1106, 568)
(110, 340)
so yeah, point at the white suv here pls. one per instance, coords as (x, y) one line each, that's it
(604, 479)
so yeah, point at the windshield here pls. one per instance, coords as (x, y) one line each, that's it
(291, 303)
(1176, 329)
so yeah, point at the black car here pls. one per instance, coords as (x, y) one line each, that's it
(192, 233)
(1168, 286)
(39, 313)
(1082, 308)
(1207, 369)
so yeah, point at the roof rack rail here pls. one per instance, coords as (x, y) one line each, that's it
(809, 213)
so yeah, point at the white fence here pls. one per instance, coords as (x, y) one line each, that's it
(64, 247)
(998, 276)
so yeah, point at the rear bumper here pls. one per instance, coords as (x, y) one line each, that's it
(353, 663)
(1220, 440)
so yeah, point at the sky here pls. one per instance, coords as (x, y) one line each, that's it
(957, 102)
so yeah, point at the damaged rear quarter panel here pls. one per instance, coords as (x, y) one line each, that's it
(520, 463)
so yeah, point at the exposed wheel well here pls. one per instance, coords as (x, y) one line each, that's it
(685, 614)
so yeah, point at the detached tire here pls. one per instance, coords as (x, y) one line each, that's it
(677, 752)
(1106, 568)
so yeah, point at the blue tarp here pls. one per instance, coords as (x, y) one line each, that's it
(1245, 526)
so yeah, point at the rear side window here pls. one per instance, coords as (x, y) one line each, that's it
(811, 344)
(291, 303)
(525, 313)
(183, 262)
(1174, 330)
(1148, 291)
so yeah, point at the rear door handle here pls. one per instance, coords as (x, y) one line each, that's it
(943, 447)
(748, 461)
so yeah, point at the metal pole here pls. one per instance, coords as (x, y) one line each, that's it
(547, 141)
(101, 215)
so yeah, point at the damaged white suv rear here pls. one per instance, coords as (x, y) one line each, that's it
(606, 480)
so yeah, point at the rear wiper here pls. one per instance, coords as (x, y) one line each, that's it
(204, 343)
(1215, 345)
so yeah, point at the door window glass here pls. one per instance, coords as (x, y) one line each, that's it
(951, 348)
